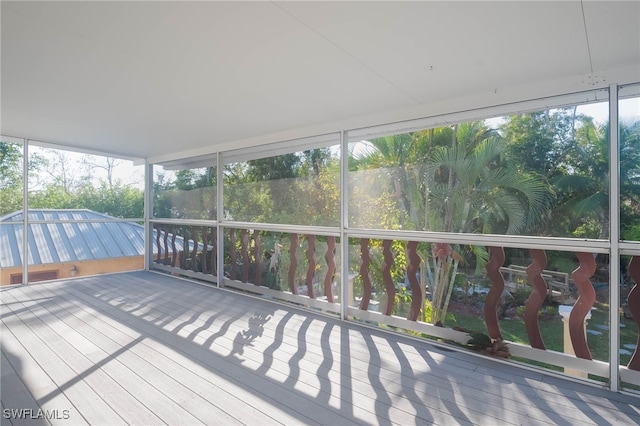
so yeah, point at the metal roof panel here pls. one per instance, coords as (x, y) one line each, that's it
(68, 242)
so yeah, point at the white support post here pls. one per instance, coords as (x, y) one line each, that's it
(25, 211)
(565, 312)
(344, 224)
(614, 238)
(148, 212)
(220, 218)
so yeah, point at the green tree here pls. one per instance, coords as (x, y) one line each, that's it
(584, 187)
(52, 196)
(191, 195)
(541, 140)
(471, 189)
(11, 182)
(297, 188)
(630, 180)
(455, 179)
(114, 199)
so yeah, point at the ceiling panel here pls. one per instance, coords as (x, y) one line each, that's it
(171, 79)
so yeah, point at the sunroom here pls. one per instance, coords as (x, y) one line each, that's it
(352, 212)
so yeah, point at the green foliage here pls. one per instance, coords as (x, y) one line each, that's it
(631, 233)
(10, 178)
(402, 301)
(10, 164)
(52, 186)
(118, 201)
(11, 183)
(542, 140)
(298, 188)
(192, 195)
(450, 179)
(53, 196)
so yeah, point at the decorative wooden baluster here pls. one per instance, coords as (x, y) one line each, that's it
(165, 260)
(387, 262)
(293, 252)
(232, 253)
(331, 267)
(194, 253)
(244, 251)
(257, 256)
(536, 298)
(412, 270)
(156, 227)
(633, 302)
(205, 244)
(311, 270)
(214, 254)
(586, 299)
(174, 250)
(495, 292)
(365, 260)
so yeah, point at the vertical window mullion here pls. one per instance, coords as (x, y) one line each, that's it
(25, 211)
(344, 223)
(614, 232)
(148, 213)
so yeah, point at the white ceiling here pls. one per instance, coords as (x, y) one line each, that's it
(164, 80)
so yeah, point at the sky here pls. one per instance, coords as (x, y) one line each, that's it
(629, 110)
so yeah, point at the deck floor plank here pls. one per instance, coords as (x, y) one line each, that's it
(93, 408)
(475, 401)
(141, 357)
(280, 370)
(358, 354)
(156, 349)
(224, 366)
(105, 372)
(161, 355)
(14, 393)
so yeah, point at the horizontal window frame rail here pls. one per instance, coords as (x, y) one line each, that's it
(56, 221)
(288, 146)
(76, 149)
(202, 161)
(630, 249)
(185, 273)
(626, 91)
(185, 222)
(510, 241)
(291, 229)
(319, 304)
(629, 376)
(457, 117)
(558, 359)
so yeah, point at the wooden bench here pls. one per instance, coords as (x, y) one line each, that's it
(558, 283)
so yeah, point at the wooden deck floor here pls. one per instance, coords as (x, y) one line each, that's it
(144, 348)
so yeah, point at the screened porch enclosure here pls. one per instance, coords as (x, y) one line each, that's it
(328, 218)
(446, 233)
(484, 234)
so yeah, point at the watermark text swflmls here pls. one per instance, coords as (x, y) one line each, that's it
(30, 413)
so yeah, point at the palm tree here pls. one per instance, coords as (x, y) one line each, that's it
(458, 186)
(585, 187)
(471, 189)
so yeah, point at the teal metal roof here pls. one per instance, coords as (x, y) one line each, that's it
(56, 242)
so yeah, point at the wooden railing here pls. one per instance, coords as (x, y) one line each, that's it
(250, 261)
(633, 303)
(302, 268)
(189, 250)
(539, 282)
